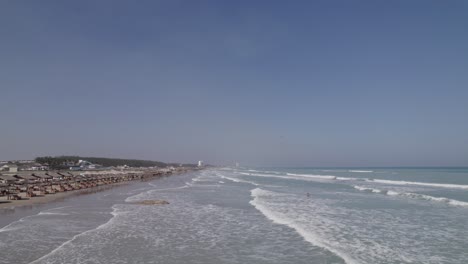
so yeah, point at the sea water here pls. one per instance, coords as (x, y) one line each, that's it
(244, 215)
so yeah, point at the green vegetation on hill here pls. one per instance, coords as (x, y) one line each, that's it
(62, 161)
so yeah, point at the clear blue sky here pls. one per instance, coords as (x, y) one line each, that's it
(268, 83)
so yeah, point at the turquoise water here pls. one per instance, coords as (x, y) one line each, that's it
(261, 215)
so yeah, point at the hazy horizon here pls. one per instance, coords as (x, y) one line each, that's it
(316, 84)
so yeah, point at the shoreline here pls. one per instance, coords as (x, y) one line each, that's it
(47, 198)
(37, 200)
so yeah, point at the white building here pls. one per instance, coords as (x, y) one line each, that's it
(10, 168)
(13, 168)
(200, 163)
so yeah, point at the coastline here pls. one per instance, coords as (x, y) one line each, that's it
(6, 204)
(11, 204)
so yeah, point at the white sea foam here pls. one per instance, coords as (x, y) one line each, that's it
(313, 177)
(428, 184)
(299, 177)
(10, 227)
(349, 179)
(361, 188)
(267, 172)
(392, 193)
(114, 214)
(52, 213)
(258, 193)
(414, 196)
(292, 176)
(435, 199)
(229, 178)
(276, 176)
(238, 180)
(142, 195)
(325, 177)
(354, 235)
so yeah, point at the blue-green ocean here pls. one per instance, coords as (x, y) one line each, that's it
(254, 215)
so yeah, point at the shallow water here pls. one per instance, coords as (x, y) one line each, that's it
(253, 216)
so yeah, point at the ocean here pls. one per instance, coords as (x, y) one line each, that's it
(260, 215)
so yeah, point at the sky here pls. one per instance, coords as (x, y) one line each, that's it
(263, 83)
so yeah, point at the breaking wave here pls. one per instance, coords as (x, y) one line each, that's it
(325, 177)
(366, 189)
(290, 176)
(441, 185)
(238, 180)
(414, 196)
(283, 219)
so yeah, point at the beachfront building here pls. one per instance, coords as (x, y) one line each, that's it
(93, 167)
(10, 168)
(200, 163)
(36, 167)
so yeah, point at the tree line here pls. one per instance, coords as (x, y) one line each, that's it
(61, 162)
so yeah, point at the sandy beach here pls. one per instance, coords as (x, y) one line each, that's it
(103, 180)
(26, 201)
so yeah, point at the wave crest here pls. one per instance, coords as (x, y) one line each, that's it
(413, 196)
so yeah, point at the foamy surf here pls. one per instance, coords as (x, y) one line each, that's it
(325, 177)
(266, 172)
(11, 226)
(238, 180)
(52, 213)
(414, 196)
(66, 243)
(312, 177)
(366, 189)
(291, 176)
(282, 220)
(441, 185)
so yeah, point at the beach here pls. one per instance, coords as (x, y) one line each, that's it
(4, 203)
(241, 215)
(34, 190)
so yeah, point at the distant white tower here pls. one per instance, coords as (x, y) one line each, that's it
(200, 163)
